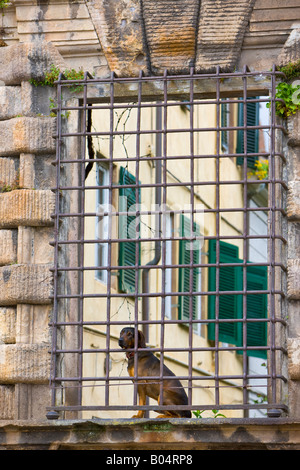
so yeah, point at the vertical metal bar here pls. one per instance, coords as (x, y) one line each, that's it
(192, 242)
(56, 232)
(137, 233)
(245, 243)
(272, 205)
(109, 253)
(164, 162)
(217, 304)
(82, 242)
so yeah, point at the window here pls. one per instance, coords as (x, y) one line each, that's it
(102, 202)
(137, 123)
(231, 305)
(129, 251)
(230, 279)
(189, 277)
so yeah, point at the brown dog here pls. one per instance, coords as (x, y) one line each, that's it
(149, 365)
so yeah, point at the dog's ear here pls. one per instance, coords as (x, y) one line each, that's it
(141, 339)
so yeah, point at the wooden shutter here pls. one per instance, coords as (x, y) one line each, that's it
(186, 254)
(252, 134)
(230, 279)
(257, 279)
(127, 227)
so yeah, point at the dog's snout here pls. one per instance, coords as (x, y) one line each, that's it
(121, 342)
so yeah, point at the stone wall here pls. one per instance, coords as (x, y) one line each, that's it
(27, 147)
(293, 263)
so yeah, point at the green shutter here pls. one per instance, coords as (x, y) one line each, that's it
(257, 279)
(252, 134)
(185, 254)
(230, 279)
(127, 226)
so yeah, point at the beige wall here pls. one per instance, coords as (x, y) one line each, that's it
(177, 198)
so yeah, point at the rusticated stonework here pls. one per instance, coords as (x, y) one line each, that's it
(153, 36)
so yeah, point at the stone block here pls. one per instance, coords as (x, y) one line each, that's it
(8, 174)
(8, 246)
(222, 27)
(26, 207)
(25, 61)
(293, 128)
(119, 28)
(293, 200)
(28, 284)
(294, 358)
(7, 325)
(10, 102)
(31, 400)
(27, 135)
(293, 279)
(27, 173)
(7, 400)
(171, 28)
(32, 323)
(24, 363)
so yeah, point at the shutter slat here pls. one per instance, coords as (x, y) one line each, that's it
(184, 273)
(127, 250)
(252, 134)
(230, 279)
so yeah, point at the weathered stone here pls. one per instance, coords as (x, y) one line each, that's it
(8, 174)
(26, 207)
(293, 200)
(26, 178)
(32, 323)
(294, 358)
(293, 279)
(25, 61)
(119, 28)
(24, 363)
(222, 26)
(291, 49)
(7, 399)
(29, 284)
(293, 127)
(8, 247)
(7, 325)
(36, 99)
(31, 400)
(171, 30)
(27, 135)
(10, 102)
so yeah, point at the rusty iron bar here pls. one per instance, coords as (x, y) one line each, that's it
(112, 101)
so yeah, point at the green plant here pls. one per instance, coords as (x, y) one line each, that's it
(198, 414)
(52, 76)
(291, 70)
(7, 188)
(288, 94)
(4, 3)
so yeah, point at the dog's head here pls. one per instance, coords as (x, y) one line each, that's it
(127, 338)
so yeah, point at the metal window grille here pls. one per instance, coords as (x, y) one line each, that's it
(193, 243)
